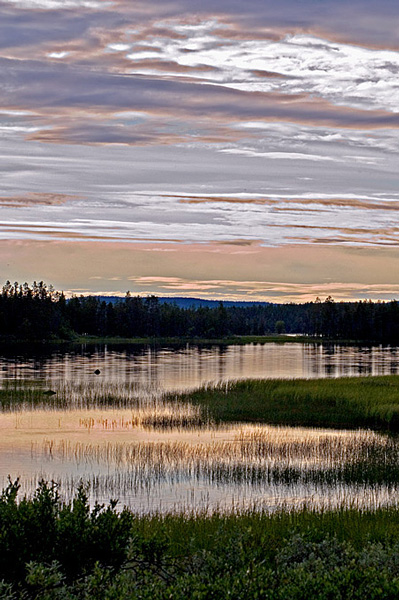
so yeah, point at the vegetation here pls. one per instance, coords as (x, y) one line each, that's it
(184, 445)
(344, 402)
(58, 551)
(267, 464)
(41, 313)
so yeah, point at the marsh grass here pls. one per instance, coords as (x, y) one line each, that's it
(16, 394)
(350, 402)
(260, 466)
(151, 409)
(270, 529)
(346, 402)
(216, 453)
(323, 522)
(26, 394)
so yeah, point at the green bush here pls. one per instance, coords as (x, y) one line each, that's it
(50, 550)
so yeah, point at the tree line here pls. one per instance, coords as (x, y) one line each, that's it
(39, 312)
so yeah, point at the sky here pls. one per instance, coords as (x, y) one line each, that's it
(233, 150)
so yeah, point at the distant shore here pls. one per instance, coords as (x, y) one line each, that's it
(237, 340)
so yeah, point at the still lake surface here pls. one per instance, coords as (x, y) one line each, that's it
(191, 366)
(123, 451)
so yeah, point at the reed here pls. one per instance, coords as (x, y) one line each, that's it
(150, 407)
(194, 442)
(260, 466)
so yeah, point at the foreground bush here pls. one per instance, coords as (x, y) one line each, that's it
(45, 530)
(50, 550)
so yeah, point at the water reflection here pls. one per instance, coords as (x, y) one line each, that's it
(119, 454)
(191, 366)
(156, 456)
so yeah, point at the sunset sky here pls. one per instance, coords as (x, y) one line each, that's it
(241, 150)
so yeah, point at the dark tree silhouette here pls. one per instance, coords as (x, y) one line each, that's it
(39, 312)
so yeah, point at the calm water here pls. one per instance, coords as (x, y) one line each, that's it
(128, 453)
(191, 366)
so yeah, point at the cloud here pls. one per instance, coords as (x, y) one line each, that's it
(56, 4)
(288, 202)
(35, 199)
(242, 220)
(236, 128)
(222, 288)
(291, 273)
(281, 155)
(217, 82)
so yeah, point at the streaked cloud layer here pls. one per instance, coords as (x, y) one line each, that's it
(166, 127)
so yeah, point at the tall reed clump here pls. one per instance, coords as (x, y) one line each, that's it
(344, 402)
(17, 393)
(150, 408)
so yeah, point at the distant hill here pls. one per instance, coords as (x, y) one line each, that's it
(182, 302)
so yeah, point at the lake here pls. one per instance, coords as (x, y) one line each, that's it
(191, 366)
(162, 455)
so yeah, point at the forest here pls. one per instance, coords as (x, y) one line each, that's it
(39, 312)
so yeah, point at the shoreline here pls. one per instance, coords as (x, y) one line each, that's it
(192, 341)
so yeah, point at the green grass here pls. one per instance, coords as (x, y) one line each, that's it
(271, 530)
(344, 402)
(55, 551)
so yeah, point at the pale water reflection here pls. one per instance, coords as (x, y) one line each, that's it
(191, 366)
(205, 467)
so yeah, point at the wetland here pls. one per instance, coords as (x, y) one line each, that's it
(216, 428)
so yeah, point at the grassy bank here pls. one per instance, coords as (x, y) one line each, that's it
(51, 550)
(344, 402)
(163, 341)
